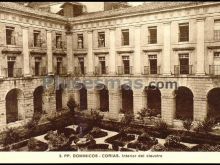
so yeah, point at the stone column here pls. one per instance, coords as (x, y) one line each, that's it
(2, 111)
(26, 58)
(137, 50)
(112, 53)
(1, 69)
(200, 47)
(168, 106)
(138, 101)
(114, 103)
(49, 54)
(200, 108)
(166, 48)
(70, 63)
(91, 99)
(90, 54)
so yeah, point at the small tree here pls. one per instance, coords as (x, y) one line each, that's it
(96, 117)
(72, 104)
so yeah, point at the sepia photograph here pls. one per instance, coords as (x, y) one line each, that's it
(121, 78)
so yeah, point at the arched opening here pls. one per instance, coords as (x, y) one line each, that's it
(103, 97)
(13, 105)
(59, 98)
(213, 99)
(127, 99)
(153, 99)
(38, 99)
(83, 97)
(184, 103)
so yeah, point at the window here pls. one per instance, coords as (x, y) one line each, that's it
(81, 64)
(37, 39)
(153, 64)
(126, 64)
(10, 35)
(80, 41)
(37, 66)
(101, 39)
(152, 39)
(59, 65)
(184, 63)
(102, 65)
(11, 63)
(217, 30)
(125, 37)
(183, 32)
(216, 54)
(58, 41)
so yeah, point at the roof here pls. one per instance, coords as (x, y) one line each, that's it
(22, 8)
(147, 7)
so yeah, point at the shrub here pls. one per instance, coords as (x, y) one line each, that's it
(205, 147)
(147, 112)
(158, 147)
(66, 131)
(58, 142)
(49, 135)
(35, 145)
(97, 133)
(161, 126)
(125, 121)
(172, 141)
(187, 124)
(11, 136)
(96, 118)
(206, 125)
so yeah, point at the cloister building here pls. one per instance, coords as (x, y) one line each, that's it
(160, 41)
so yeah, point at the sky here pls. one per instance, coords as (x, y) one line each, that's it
(135, 3)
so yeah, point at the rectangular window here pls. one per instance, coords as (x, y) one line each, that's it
(216, 54)
(59, 65)
(59, 41)
(81, 65)
(184, 32)
(101, 39)
(126, 64)
(37, 66)
(217, 30)
(37, 39)
(184, 63)
(11, 63)
(102, 65)
(125, 37)
(152, 35)
(80, 41)
(153, 64)
(10, 35)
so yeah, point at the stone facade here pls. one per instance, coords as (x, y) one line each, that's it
(200, 48)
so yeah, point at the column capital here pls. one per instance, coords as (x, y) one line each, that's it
(69, 32)
(167, 22)
(112, 28)
(200, 19)
(90, 31)
(137, 26)
(24, 27)
(49, 30)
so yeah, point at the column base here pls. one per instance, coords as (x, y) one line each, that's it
(27, 75)
(166, 74)
(200, 74)
(50, 74)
